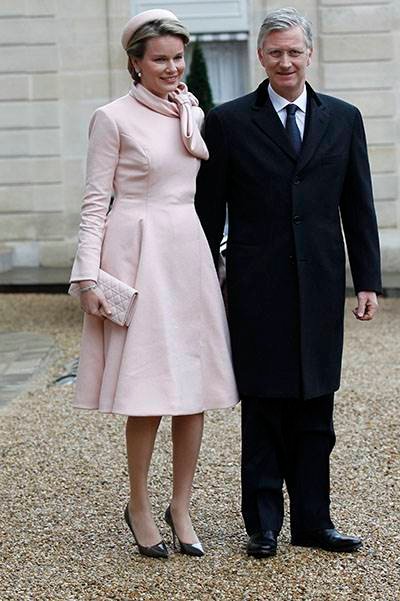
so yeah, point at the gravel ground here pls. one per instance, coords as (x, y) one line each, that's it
(63, 487)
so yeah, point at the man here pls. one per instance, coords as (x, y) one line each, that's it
(292, 167)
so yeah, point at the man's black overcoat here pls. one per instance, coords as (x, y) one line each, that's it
(285, 253)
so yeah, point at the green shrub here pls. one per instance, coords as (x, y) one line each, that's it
(197, 80)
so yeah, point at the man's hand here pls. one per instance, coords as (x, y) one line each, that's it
(367, 306)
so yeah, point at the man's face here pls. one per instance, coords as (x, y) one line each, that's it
(285, 57)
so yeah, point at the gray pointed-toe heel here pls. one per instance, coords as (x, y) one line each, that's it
(158, 551)
(194, 549)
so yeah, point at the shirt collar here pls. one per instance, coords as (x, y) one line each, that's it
(279, 103)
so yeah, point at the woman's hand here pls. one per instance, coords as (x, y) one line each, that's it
(93, 301)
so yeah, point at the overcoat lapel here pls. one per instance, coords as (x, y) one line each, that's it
(265, 117)
(317, 120)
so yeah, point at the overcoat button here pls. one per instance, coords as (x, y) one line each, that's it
(296, 219)
(296, 181)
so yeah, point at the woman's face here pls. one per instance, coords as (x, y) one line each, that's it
(162, 65)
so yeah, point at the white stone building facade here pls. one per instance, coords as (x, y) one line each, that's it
(60, 59)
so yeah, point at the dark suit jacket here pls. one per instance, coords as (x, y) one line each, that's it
(285, 253)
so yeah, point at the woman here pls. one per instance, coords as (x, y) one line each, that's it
(174, 358)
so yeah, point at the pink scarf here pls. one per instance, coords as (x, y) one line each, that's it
(179, 104)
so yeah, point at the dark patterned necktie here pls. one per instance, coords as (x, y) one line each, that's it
(292, 129)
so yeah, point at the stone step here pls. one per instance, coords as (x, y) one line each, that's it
(23, 355)
(35, 279)
(6, 258)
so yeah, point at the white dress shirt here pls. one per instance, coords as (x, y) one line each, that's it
(279, 103)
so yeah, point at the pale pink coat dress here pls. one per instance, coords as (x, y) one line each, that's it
(175, 358)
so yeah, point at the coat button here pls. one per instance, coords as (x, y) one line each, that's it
(297, 219)
(296, 181)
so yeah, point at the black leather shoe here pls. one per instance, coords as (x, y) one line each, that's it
(262, 544)
(328, 539)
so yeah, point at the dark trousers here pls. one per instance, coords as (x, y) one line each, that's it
(286, 440)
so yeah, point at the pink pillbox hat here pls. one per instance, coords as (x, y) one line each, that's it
(145, 17)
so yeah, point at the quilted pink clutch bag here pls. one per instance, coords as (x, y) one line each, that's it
(119, 296)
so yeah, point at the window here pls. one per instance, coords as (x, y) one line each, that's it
(227, 66)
